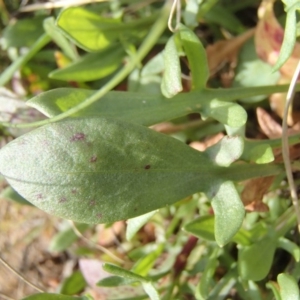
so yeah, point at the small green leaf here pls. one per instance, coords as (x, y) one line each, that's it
(93, 32)
(65, 238)
(289, 39)
(171, 81)
(23, 33)
(92, 66)
(255, 261)
(227, 113)
(52, 30)
(113, 281)
(258, 153)
(252, 71)
(202, 227)
(113, 269)
(226, 151)
(229, 212)
(196, 56)
(290, 247)
(48, 296)
(150, 290)
(135, 224)
(73, 284)
(205, 283)
(10, 194)
(288, 285)
(275, 289)
(106, 170)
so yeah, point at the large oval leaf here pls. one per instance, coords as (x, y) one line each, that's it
(98, 170)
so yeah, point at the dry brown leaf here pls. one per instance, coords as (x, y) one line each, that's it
(225, 51)
(267, 124)
(201, 146)
(107, 236)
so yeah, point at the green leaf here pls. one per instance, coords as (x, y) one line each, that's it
(113, 269)
(171, 81)
(23, 33)
(65, 238)
(275, 289)
(106, 170)
(226, 151)
(290, 247)
(73, 284)
(93, 32)
(288, 287)
(196, 56)
(92, 66)
(115, 281)
(141, 108)
(252, 71)
(135, 224)
(10, 194)
(289, 39)
(202, 227)
(205, 283)
(56, 35)
(48, 296)
(255, 261)
(258, 153)
(150, 290)
(229, 212)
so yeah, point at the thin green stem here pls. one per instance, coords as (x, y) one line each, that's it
(22, 60)
(155, 32)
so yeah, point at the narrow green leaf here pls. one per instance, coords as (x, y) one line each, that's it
(10, 194)
(255, 261)
(97, 170)
(202, 227)
(65, 238)
(275, 289)
(290, 247)
(56, 35)
(135, 224)
(92, 66)
(226, 151)
(141, 108)
(113, 269)
(48, 296)
(288, 285)
(229, 212)
(115, 281)
(150, 290)
(171, 81)
(196, 56)
(73, 284)
(289, 40)
(205, 283)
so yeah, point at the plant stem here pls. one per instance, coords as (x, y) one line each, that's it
(37, 46)
(155, 32)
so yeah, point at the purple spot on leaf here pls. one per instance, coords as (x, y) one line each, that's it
(79, 136)
(93, 159)
(99, 216)
(92, 203)
(74, 191)
(62, 200)
(147, 167)
(39, 196)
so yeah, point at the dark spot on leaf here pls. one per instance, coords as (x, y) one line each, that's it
(79, 136)
(74, 191)
(99, 216)
(39, 196)
(92, 203)
(62, 200)
(93, 159)
(147, 167)
(135, 209)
